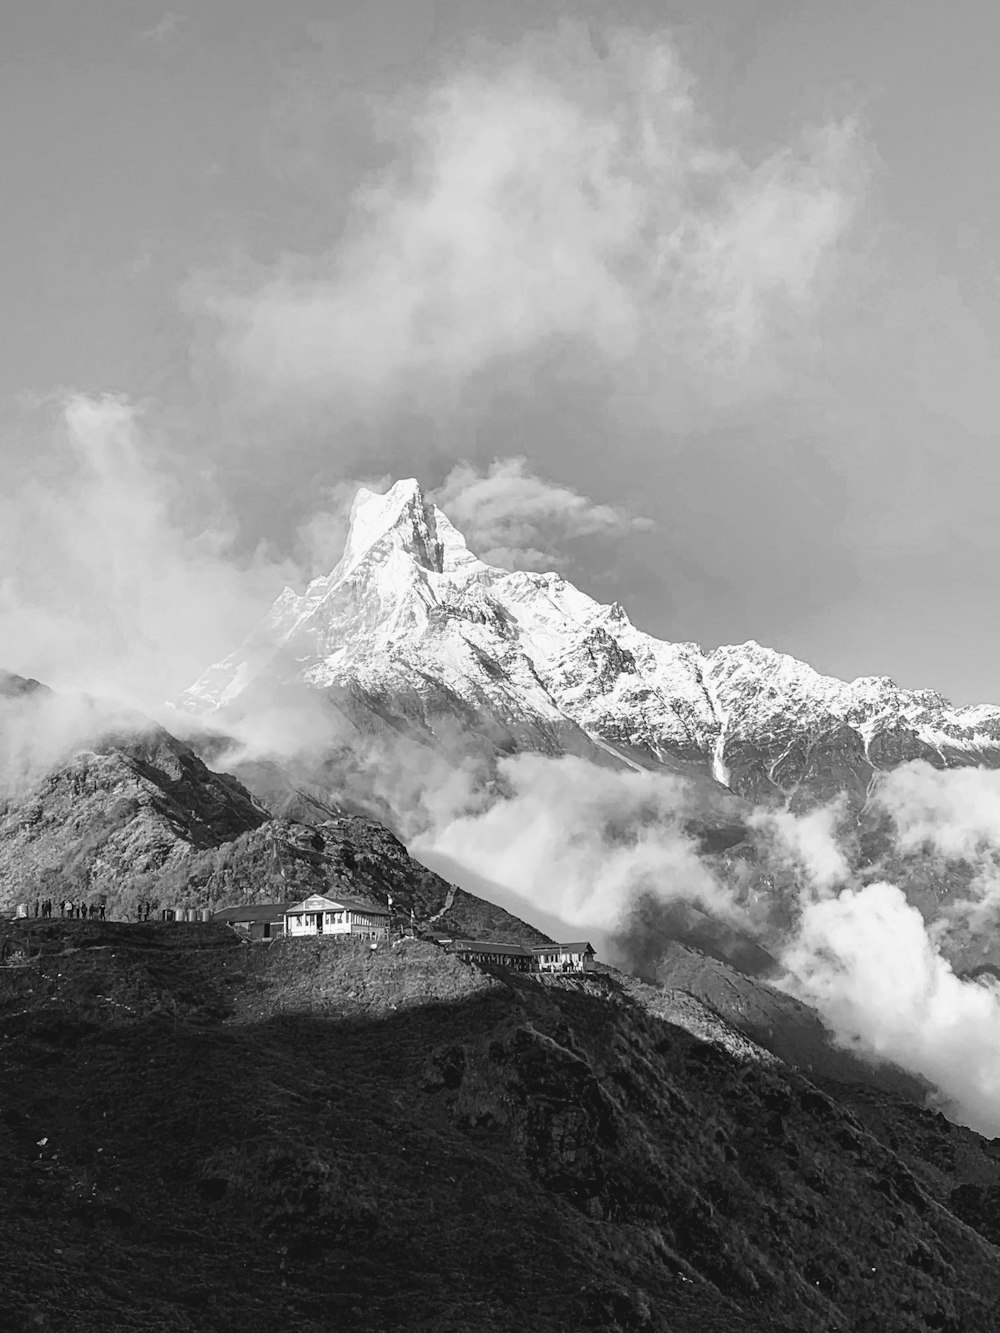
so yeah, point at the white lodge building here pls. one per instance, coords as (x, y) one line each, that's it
(575, 957)
(319, 915)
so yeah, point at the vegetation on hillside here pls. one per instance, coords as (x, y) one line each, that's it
(202, 1135)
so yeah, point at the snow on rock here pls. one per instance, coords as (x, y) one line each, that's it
(410, 612)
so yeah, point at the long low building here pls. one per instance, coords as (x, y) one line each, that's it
(575, 957)
(514, 956)
(261, 921)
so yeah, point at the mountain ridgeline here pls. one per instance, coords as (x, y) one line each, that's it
(411, 632)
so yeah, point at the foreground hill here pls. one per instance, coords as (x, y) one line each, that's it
(197, 1134)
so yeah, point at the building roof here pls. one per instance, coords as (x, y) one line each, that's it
(250, 912)
(322, 903)
(579, 946)
(489, 946)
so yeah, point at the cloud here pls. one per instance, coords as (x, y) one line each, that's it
(580, 843)
(512, 518)
(40, 731)
(103, 586)
(550, 195)
(166, 29)
(955, 811)
(508, 515)
(868, 964)
(807, 844)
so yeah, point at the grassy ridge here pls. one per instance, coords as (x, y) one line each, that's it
(202, 1135)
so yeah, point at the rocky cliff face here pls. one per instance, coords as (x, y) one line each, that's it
(411, 626)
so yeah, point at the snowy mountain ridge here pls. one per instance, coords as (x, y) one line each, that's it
(412, 617)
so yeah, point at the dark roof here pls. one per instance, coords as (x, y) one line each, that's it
(251, 912)
(489, 946)
(579, 946)
(348, 904)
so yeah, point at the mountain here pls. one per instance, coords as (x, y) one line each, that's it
(100, 804)
(411, 634)
(199, 1135)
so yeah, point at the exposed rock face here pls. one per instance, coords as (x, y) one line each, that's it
(123, 808)
(128, 814)
(411, 632)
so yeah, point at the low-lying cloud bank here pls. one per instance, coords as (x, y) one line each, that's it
(582, 842)
(866, 960)
(589, 844)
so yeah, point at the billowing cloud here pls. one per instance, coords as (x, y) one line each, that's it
(550, 195)
(580, 843)
(954, 811)
(512, 518)
(102, 586)
(866, 961)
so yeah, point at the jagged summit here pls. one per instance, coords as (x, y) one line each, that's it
(405, 520)
(414, 623)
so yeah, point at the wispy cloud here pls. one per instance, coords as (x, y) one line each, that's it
(545, 196)
(513, 518)
(168, 27)
(103, 585)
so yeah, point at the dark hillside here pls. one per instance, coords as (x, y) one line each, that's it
(201, 1135)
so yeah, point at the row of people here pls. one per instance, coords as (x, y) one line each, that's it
(45, 907)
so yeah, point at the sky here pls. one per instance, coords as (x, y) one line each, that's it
(705, 294)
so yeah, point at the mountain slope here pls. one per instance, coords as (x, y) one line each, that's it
(194, 1134)
(412, 628)
(127, 815)
(95, 798)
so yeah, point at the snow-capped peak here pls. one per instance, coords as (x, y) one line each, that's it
(405, 519)
(415, 619)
